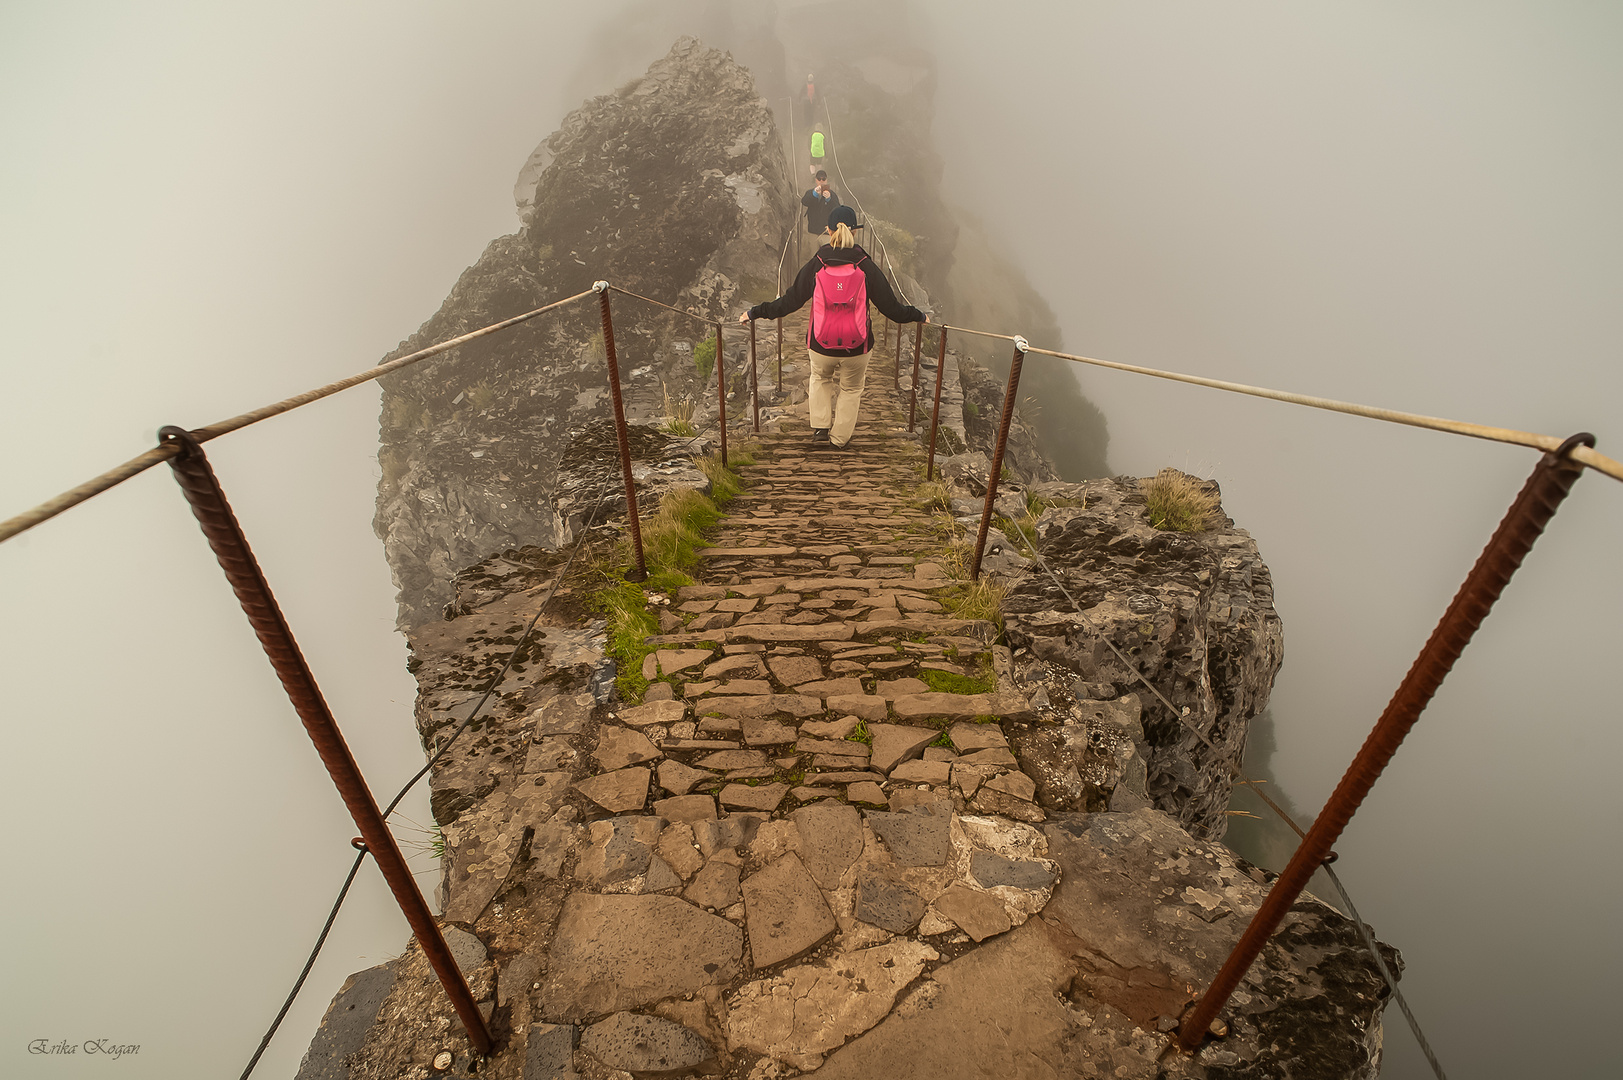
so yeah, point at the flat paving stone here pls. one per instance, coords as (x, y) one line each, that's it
(784, 911)
(612, 953)
(990, 869)
(868, 793)
(864, 706)
(736, 665)
(617, 792)
(914, 839)
(832, 687)
(764, 705)
(618, 747)
(673, 660)
(839, 747)
(765, 797)
(686, 808)
(830, 841)
(549, 1052)
(968, 737)
(794, 670)
(888, 904)
(891, 689)
(752, 687)
(734, 759)
(830, 729)
(978, 914)
(996, 756)
(1017, 784)
(815, 632)
(716, 886)
(767, 733)
(896, 743)
(922, 772)
(642, 1044)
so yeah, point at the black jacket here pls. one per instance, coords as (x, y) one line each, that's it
(879, 293)
(817, 210)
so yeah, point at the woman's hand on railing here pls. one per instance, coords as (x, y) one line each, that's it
(744, 317)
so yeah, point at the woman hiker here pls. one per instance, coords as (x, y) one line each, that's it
(839, 280)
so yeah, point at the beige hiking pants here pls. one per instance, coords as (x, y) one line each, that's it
(846, 373)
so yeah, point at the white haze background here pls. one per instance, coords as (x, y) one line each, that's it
(204, 207)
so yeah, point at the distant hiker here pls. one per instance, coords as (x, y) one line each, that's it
(819, 201)
(811, 99)
(839, 281)
(817, 149)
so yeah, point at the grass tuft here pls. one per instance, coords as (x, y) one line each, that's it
(679, 415)
(704, 357)
(932, 496)
(1179, 502)
(671, 539)
(945, 682)
(981, 599)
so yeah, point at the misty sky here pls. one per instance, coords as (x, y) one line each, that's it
(204, 207)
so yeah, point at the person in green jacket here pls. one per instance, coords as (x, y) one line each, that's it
(816, 149)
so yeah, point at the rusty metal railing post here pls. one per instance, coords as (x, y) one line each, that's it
(780, 356)
(1538, 501)
(721, 397)
(913, 404)
(1020, 348)
(225, 537)
(755, 382)
(640, 571)
(896, 358)
(935, 413)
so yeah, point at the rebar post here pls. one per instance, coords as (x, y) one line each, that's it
(935, 413)
(1538, 501)
(1020, 348)
(755, 382)
(224, 533)
(896, 356)
(640, 571)
(721, 397)
(780, 356)
(913, 403)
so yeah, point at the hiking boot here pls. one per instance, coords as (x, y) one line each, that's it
(820, 439)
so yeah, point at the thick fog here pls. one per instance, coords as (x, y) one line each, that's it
(204, 208)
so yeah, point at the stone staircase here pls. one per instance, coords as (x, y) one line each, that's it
(812, 847)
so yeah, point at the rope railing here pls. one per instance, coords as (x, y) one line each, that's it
(1583, 454)
(135, 466)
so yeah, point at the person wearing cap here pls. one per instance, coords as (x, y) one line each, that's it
(837, 375)
(819, 201)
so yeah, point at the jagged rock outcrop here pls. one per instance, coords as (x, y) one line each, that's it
(674, 187)
(1192, 613)
(1024, 459)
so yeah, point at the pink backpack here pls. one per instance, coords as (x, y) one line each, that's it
(839, 317)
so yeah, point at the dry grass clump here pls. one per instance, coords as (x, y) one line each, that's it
(1179, 502)
(679, 415)
(981, 599)
(932, 496)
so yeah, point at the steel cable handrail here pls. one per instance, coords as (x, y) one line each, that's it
(159, 454)
(1547, 443)
(884, 252)
(1238, 775)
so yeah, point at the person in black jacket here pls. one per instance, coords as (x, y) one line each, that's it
(819, 202)
(833, 422)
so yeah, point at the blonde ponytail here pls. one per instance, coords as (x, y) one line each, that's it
(842, 237)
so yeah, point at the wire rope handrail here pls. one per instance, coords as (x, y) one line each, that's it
(884, 252)
(1583, 454)
(163, 452)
